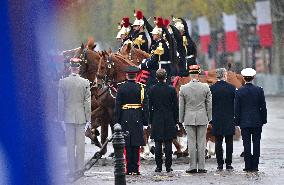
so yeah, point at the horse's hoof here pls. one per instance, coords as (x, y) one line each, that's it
(111, 154)
(179, 155)
(185, 154)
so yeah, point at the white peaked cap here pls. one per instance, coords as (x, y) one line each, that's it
(248, 72)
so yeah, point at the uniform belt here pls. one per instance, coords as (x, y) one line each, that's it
(131, 106)
(165, 62)
(190, 56)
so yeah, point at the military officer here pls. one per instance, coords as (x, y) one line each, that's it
(74, 109)
(139, 36)
(250, 115)
(131, 112)
(159, 55)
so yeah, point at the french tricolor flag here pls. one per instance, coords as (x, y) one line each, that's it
(264, 23)
(231, 37)
(204, 33)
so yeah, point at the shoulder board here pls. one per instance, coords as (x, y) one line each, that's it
(120, 83)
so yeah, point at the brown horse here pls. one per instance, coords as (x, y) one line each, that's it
(133, 54)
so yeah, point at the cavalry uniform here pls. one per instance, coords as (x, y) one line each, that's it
(160, 56)
(185, 46)
(159, 59)
(140, 41)
(139, 36)
(131, 113)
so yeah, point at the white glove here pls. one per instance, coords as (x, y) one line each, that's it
(144, 60)
(88, 125)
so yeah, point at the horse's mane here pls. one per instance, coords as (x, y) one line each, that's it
(145, 54)
(125, 60)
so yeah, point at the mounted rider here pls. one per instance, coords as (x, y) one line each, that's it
(124, 32)
(185, 46)
(160, 57)
(139, 37)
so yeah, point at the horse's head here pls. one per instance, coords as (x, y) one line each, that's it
(106, 71)
(133, 54)
(89, 62)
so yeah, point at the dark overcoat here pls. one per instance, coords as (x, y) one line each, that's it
(163, 109)
(223, 95)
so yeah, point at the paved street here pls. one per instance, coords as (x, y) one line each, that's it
(271, 162)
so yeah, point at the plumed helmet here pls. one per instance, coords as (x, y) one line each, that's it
(139, 18)
(159, 24)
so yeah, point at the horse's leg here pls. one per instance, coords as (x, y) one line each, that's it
(104, 130)
(93, 132)
(178, 146)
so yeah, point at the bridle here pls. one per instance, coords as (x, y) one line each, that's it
(109, 65)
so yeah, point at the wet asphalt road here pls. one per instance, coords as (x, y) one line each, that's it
(271, 161)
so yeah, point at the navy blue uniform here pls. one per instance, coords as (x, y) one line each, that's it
(223, 95)
(250, 115)
(152, 64)
(131, 113)
(144, 46)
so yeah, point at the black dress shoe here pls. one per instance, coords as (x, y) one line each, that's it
(169, 170)
(247, 170)
(220, 167)
(128, 173)
(202, 171)
(158, 170)
(229, 167)
(254, 170)
(191, 171)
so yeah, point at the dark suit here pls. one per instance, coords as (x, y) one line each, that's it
(132, 120)
(250, 115)
(223, 95)
(163, 108)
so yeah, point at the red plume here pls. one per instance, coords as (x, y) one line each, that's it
(166, 22)
(139, 14)
(126, 22)
(159, 22)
